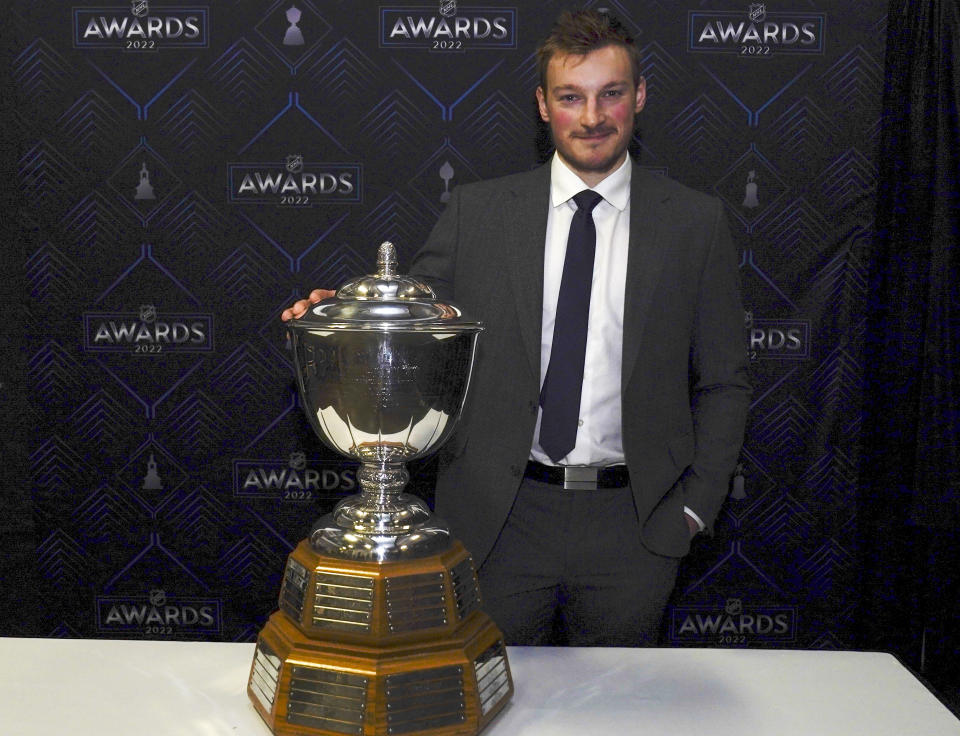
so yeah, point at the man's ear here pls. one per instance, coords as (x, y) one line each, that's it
(542, 105)
(641, 94)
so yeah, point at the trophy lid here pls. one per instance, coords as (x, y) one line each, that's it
(385, 300)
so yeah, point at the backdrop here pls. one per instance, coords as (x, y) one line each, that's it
(180, 172)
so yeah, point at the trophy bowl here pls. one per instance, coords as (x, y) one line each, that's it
(383, 369)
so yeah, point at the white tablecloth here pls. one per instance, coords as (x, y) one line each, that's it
(147, 688)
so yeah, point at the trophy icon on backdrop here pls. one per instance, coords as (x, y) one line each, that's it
(446, 173)
(380, 629)
(750, 200)
(293, 35)
(151, 481)
(144, 188)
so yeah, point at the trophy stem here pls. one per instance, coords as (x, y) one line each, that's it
(390, 522)
(381, 482)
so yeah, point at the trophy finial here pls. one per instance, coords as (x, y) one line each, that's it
(386, 259)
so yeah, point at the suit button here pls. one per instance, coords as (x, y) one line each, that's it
(515, 471)
(532, 406)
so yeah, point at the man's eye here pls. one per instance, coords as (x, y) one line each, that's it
(614, 92)
(569, 98)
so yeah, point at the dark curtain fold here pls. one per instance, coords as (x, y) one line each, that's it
(909, 509)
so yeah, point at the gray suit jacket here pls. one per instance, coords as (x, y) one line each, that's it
(685, 389)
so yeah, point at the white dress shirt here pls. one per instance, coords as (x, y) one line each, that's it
(599, 434)
(599, 440)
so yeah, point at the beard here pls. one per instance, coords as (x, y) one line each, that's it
(604, 157)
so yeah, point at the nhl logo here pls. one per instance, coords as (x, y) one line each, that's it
(734, 606)
(294, 163)
(298, 460)
(757, 12)
(139, 7)
(148, 313)
(448, 8)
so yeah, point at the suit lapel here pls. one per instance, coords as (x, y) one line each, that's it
(644, 262)
(527, 205)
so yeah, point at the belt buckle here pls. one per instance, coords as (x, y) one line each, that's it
(580, 478)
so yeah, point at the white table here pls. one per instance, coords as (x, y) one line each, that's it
(147, 688)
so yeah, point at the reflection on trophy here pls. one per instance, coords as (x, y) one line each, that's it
(380, 629)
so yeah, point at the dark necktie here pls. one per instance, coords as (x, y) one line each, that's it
(560, 395)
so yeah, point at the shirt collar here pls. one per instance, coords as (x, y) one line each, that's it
(564, 184)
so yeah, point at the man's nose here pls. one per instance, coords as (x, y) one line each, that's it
(591, 115)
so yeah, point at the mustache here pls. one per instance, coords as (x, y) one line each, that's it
(588, 132)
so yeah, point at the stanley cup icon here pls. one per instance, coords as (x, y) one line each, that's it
(293, 35)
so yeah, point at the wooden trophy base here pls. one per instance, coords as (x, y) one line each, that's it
(379, 648)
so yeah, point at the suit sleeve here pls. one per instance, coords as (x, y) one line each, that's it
(435, 263)
(720, 387)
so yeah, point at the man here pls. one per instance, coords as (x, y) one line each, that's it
(610, 390)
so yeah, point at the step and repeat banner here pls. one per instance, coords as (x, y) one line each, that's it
(186, 170)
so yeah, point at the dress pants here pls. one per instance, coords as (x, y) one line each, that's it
(569, 569)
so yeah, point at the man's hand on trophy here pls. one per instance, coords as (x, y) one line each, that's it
(299, 308)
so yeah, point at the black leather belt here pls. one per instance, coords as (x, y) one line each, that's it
(578, 477)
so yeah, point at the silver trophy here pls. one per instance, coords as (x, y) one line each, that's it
(380, 628)
(383, 369)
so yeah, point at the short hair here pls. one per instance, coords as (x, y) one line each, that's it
(582, 31)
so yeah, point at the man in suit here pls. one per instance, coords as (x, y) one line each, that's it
(610, 388)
